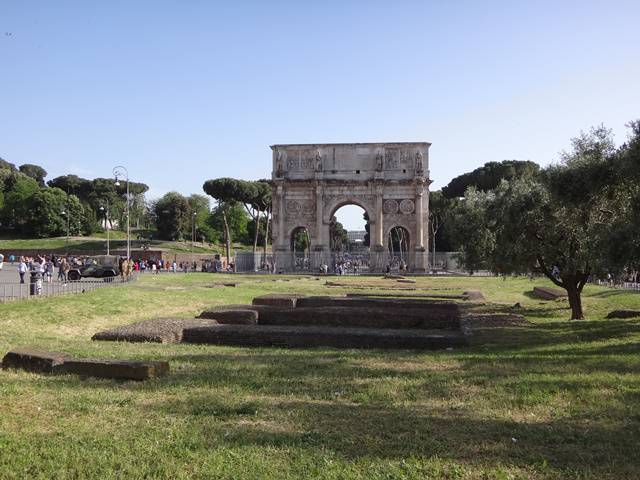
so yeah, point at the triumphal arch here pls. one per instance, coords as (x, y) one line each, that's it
(390, 181)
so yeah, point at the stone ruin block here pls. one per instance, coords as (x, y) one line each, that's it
(161, 330)
(277, 300)
(336, 337)
(359, 316)
(33, 360)
(473, 296)
(40, 361)
(623, 314)
(548, 293)
(116, 369)
(232, 315)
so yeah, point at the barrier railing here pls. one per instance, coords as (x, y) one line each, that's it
(616, 284)
(43, 289)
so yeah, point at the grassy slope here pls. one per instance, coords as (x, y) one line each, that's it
(556, 399)
(98, 242)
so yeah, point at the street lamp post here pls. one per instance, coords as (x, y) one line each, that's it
(193, 233)
(106, 223)
(66, 214)
(120, 171)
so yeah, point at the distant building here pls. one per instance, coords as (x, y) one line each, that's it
(356, 236)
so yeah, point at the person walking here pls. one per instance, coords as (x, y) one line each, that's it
(48, 270)
(62, 270)
(22, 269)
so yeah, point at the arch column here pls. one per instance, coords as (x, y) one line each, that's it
(320, 250)
(419, 252)
(376, 227)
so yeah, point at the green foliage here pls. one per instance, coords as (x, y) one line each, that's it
(300, 240)
(256, 196)
(489, 176)
(173, 216)
(473, 230)
(620, 199)
(398, 242)
(34, 171)
(440, 211)
(237, 220)
(16, 201)
(51, 211)
(81, 187)
(229, 189)
(4, 165)
(251, 229)
(200, 211)
(338, 237)
(554, 223)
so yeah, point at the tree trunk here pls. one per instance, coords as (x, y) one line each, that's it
(433, 239)
(572, 283)
(227, 235)
(266, 233)
(255, 236)
(575, 300)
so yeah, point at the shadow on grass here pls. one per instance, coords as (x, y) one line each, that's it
(572, 333)
(394, 432)
(390, 405)
(609, 293)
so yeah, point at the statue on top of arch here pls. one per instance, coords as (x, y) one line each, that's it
(379, 163)
(419, 167)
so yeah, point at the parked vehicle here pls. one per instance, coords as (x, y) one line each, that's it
(99, 266)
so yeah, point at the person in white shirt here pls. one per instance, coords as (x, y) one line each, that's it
(22, 269)
(1, 261)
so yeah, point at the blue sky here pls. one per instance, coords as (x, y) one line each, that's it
(181, 92)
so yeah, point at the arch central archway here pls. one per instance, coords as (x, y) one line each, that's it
(349, 239)
(389, 181)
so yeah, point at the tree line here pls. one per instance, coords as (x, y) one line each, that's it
(67, 204)
(571, 221)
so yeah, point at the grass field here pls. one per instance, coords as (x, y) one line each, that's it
(556, 399)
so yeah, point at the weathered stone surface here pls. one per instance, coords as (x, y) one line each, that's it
(277, 300)
(41, 361)
(232, 315)
(406, 302)
(34, 360)
(388, 180)
(473, 295)
(338, 337)
(548, 293)
(623, 314)
(161, 330)
(403, 295)
(395, 286)
(361, 316)
(116, 369)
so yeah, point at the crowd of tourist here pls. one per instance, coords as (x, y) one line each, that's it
(58, 266)
(45, 266)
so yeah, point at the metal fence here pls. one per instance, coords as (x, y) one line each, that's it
(42, 289)
(615, 284)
